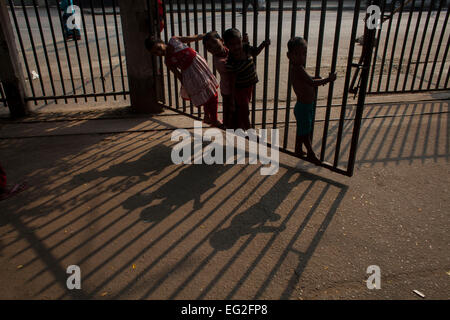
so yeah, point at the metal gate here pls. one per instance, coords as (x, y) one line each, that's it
(412, 47)
(60, 69)
(331, 31)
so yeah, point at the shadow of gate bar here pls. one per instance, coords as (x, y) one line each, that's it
(58, 68)
(412, 47)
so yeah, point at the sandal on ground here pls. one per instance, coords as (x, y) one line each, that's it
(16, 189)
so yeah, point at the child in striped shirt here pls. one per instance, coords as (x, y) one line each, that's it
(243, 78)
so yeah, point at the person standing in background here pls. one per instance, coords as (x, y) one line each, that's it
(68, 10)
(255, 4)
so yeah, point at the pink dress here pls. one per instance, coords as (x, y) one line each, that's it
(199, 84)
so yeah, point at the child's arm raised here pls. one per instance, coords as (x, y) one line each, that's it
(262, 46)
(255, 51)
(189, 39)
(315, 82)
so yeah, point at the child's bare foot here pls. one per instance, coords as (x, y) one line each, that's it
(207, 119)
(313, 158)
(217, 124)
(298, 151)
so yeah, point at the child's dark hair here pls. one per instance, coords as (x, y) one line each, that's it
(150, 42)
(296, 42)
(232, 33)
(211, 35)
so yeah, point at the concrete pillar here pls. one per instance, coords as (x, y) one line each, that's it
(136, 28)
(11, 73)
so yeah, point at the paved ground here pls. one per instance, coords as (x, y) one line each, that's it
(105, 196)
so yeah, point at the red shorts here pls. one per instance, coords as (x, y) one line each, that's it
(241, 117)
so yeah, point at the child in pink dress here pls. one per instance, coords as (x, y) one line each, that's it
(198, 83)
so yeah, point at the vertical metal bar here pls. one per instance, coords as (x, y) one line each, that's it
(277, 64)
(424, 35)
(205, 53)
(438, 49)
(180, 33)
(69, 63)
(244, 19)
(119, 50)
(321, 37)
(196, 24)
(152, 31)
(77, 49)
(233, 13)
(351, 51)
(88, 51)
(108, 47)
(213, 15)
(36, 60)
(289, 89)
(443, 64)
(213, 27)
(379, 33)
(24, 56)
(44, 47)
(413, 43)
(153, 25)
(186, 11)
(430, 45)
(405, 41)
(159, 63)
(394, 44)
(255, 44)
(166, 39)
(323, 12)
(222, 12)
(386, 45)
(307, 20)
(361, 97)
(58, 60)
(172, 29)
(331, 85)
(180, 19)
(100, 64)
(188, 32)
(266, 66)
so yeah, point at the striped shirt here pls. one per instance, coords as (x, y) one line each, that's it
(245, 70)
